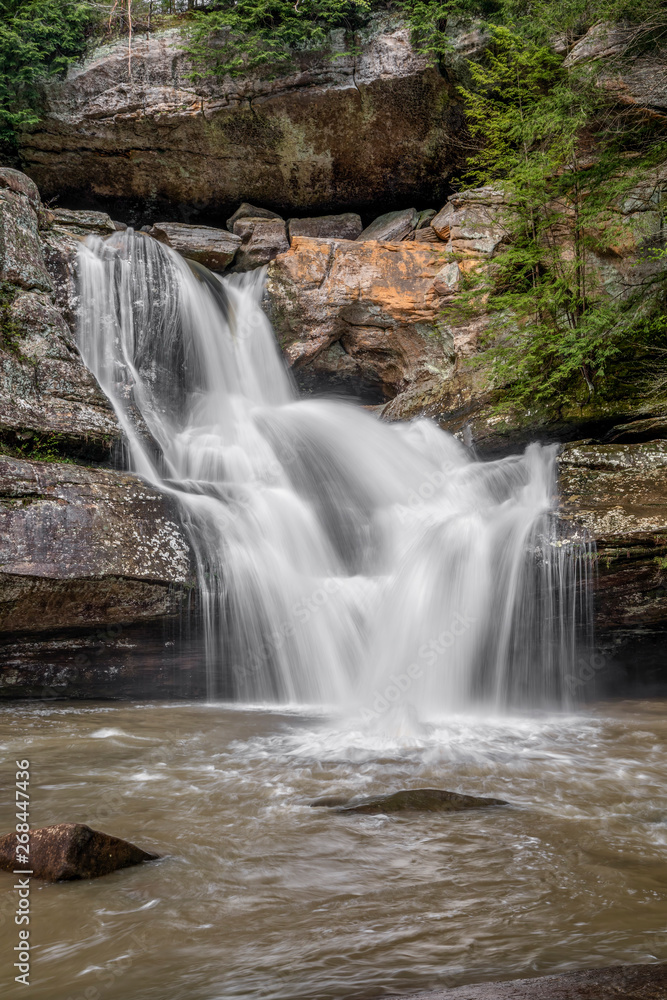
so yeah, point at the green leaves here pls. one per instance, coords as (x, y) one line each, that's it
(563, 317)
(239, 35)
(37, 38)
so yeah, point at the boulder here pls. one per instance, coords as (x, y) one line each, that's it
(366, 312)
(261, 241)
(68, 851)
(411, 800)
(472, 222)
(82, 223)
(81, 545)
(281, 137)
(425, 218)
(214, 248)
(392, 227)
(49, 401)
(19, 183)
(334, 227)
(248, 211)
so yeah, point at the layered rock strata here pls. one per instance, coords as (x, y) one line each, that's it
(142, 133)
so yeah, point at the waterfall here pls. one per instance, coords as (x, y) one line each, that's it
(341, 560)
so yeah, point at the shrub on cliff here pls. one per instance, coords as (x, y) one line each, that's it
(37, 38)
(585, 179)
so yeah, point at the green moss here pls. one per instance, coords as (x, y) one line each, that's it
(10, 332)
(53, 447)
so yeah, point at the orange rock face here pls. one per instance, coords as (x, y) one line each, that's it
(371, 310)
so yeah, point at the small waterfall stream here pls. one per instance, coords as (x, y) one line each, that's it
(341, 561)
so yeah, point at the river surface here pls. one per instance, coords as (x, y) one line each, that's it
(260, 895)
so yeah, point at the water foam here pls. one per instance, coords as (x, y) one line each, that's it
(374, 568)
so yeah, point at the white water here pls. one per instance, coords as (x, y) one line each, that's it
(341, 561)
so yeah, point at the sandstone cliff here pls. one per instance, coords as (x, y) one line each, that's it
(339, 130)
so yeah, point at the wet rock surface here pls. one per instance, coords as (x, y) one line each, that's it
(622, 982)
(214, 248)
(70, 851)
(49, 401)
(157, 658)
(619, 493)
(80, 546)
(410, 800)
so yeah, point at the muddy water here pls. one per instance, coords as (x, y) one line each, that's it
(261, 896)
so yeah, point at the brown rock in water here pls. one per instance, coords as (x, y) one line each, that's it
(346, 226)
(411, 800)
(214, 248)
(621, 982)
(68, 851)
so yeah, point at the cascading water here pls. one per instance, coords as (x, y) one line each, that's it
(341, 561)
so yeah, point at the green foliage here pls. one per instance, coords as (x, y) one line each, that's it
(563, 154)
(548, 138)
(10, 334)
(37, 38)
(37, 446)
(239, 35)
(232, 36)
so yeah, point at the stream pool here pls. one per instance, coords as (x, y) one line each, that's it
(260, 895)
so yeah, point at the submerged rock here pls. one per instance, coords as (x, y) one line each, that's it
(214, 248)
(68, 851)
(410, 800)
(620, 982)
